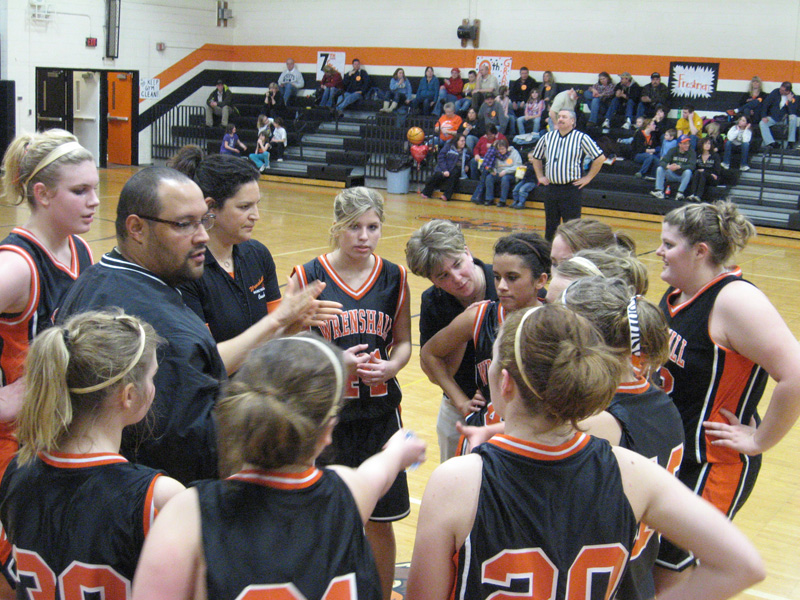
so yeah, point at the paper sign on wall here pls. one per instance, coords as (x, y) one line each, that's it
(325, 57)
(693, 80)
(149, 88)
(500, 66)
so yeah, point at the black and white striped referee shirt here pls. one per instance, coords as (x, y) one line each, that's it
(563, 155)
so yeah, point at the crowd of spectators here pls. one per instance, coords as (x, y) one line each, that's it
(483, 112)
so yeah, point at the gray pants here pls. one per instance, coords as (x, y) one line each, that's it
(446, 430)
(225, 111)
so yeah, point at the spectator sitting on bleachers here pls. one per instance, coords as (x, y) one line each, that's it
(399, 91)
(449, 165)
(219, 102)
(548, 89)
(503, 104)
(230, 141)
(481, 148)
(751, 101)
(566, 100)
(525, 185)
(690, 124)
(519, 92)
(706, 171)
(355, 84)
(260, 158)
(598, 95)
(739, 137)
(662, 124)
(277, 145)
(473, 129)
(638, 124)
(644, 148)
(717, 141)
(485, 85)
(506, 161)
(467, 91)
(532, 111)
(447, 125)
(274, 105)
(626, 92)
(262, 124)
(451, 90)
(654, 94)
(668, 141)
(291, 81)
(331, 85)
(677, 165)
(491, 112)
(427, 93)
(779, 106)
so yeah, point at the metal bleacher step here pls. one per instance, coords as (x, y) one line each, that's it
(342, 128)
(766, 218)
(778, 199)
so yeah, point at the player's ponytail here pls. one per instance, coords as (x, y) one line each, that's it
(562, 368)
(279, 403)
(630, 324)
(70, 370)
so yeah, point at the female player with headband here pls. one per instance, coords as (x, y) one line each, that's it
(278, 523)
(573, 500)
(57, 178)
(75, 511)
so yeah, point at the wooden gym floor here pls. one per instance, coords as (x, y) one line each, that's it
(294, 224)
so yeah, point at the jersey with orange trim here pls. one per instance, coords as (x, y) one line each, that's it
(551, 522)
(230, 304)
(702, 377)
(368, 317)
(651, 426)
(488, 319)
(75, 520)
(298, 535)
(50, 279)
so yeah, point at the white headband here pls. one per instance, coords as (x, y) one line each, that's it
(517, 349)
(121, 374)
(53, 156)
(587, 264)
(337, 366)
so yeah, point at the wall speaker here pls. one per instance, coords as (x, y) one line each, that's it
(113, 8)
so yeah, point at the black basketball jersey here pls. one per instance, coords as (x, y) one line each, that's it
(651, 426)
(50, 280)
(702, 377)
(75, 521)
(486, 326)
(368, 316)
(296, 532)
(550, 520)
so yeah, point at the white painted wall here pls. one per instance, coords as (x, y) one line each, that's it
(763, 30)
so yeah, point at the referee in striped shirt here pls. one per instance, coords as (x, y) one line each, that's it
(563, 151)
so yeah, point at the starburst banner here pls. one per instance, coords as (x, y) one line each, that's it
(695, 82)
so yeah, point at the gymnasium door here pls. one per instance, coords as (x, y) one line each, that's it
(120, 117)
(53, 109)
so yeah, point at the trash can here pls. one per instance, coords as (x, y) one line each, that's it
(398, 174)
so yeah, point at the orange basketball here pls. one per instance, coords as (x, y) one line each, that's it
(415, 135)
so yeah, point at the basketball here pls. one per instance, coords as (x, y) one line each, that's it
(415, 135)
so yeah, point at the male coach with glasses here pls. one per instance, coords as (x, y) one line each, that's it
(161, 224)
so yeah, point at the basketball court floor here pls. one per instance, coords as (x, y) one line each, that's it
(294, 225)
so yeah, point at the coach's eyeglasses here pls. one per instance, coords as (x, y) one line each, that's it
(186, 227)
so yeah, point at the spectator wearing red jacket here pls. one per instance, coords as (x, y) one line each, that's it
(450, 90)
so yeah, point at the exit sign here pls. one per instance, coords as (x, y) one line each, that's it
(91, 42)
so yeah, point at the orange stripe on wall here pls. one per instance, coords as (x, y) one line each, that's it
(729, 68)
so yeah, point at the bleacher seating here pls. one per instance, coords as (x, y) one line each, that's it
(353, 148)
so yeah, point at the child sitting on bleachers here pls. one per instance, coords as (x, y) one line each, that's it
(277, 145)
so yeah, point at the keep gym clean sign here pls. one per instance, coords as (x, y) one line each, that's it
(149, 88)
